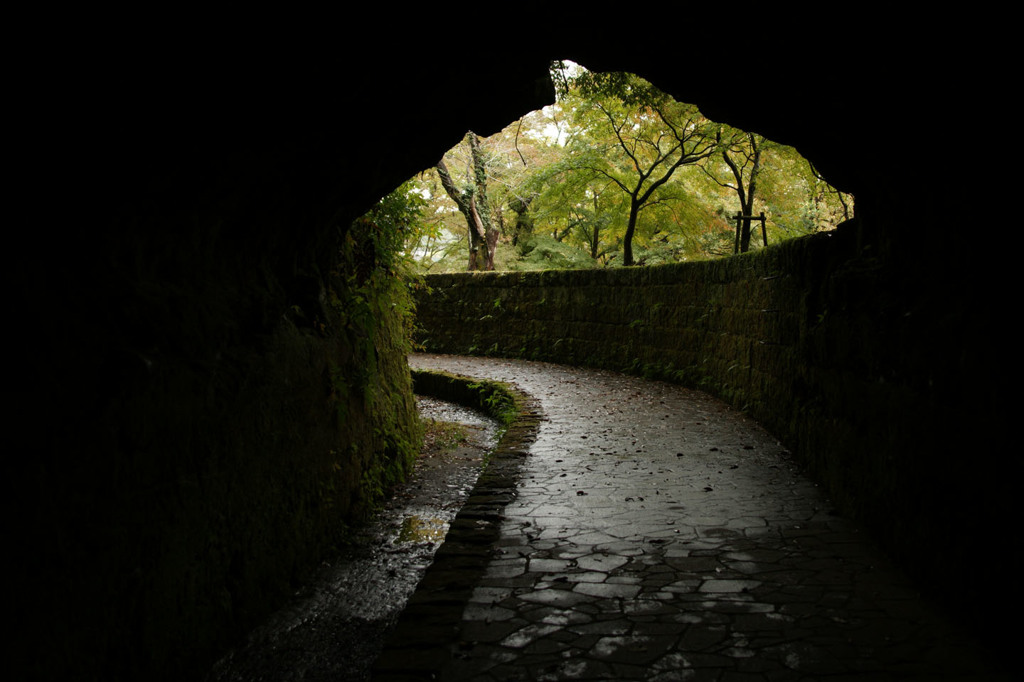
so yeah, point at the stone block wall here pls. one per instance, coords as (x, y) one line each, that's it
(865, 373)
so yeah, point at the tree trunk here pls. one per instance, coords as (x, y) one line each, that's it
(485, 230)
(745, 232)
(524, 221)
(478, 238)
(631, 227)
(627, 241)
(472, 203)
(746, 195)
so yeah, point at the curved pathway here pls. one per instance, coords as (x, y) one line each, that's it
(657, 534)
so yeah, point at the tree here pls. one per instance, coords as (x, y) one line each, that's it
(767, 176)
(574, 205)
(741, 151)
(608, 171)
(471, 199)
(639, 138)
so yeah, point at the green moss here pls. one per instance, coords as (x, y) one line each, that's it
(444, 435)
(496, 399)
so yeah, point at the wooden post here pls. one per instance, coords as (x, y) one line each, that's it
(739, 223)
(741, 219)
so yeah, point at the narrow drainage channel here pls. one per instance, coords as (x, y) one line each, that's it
(335, 626)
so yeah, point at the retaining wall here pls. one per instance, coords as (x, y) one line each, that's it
(869, 375)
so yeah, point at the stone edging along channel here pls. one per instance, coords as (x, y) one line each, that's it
(421, 642)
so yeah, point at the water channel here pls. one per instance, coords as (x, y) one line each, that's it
(335, 626)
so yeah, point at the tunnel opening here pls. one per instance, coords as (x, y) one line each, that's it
(854, 401)
(612, 162)
(160, 336)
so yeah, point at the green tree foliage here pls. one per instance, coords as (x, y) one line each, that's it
(616, 172)
(753, 175)
(381, 235)
(741, 154)
(638, 137)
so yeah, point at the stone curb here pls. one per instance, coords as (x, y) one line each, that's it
(421, 642)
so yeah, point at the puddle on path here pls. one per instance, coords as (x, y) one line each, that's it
(419, 529)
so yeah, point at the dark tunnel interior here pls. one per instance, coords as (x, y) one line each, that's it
(170, 428)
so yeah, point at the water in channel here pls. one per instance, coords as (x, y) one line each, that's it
(335, 626)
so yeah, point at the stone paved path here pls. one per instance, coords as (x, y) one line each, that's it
(657, 534)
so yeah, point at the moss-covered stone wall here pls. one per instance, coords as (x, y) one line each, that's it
(215, 423)
(857, 366)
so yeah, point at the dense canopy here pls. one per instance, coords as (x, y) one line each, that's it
(616, 172)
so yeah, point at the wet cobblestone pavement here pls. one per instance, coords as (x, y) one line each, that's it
(656, 534)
